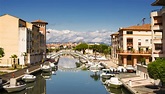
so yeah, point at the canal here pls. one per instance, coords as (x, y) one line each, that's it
(68, 80)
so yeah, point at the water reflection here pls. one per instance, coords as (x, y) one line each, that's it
(68, 82)
(95, 76)
(67, 62)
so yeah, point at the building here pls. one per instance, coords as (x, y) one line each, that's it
(157, 27)
(158, 39)
(22, 39)
(42, 29)
(132, 45)
(114, 47)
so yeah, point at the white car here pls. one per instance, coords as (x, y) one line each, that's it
(121, 69)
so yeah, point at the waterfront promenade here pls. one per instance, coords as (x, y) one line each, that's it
(19, 73)
(137, 85)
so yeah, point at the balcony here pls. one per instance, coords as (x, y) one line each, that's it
(157, 40)
(133, 52)
(157, 27)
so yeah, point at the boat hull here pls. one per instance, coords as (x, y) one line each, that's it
(29, 79)
(106, 76)
(46, 69)
(9, 88)
(114, 85)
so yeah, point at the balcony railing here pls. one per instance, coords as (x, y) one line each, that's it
(134, 52)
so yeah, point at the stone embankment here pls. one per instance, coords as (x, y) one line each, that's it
(19, 73)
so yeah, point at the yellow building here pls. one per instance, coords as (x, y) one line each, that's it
(20, 38)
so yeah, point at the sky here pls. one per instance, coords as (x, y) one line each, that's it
(81, 15)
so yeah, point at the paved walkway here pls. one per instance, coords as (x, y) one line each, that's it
(18, 73)
(138, 85)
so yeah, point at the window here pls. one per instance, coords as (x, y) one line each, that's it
(139, 40)
(129, 32)
(158, 46)
(139, 43)
(130, 40)
(146, 40)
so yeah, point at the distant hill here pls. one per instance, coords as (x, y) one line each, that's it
(102, 37)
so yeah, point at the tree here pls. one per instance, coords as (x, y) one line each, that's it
(81, 47)
(156, 70)
(14, 56)
(2, 53)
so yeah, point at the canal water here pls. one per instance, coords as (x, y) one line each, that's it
(68, 80)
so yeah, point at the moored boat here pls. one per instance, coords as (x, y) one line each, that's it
(13, 86)
(28, 78)
(114, 82)
(94, 68)
(106, 73)
(46, 67)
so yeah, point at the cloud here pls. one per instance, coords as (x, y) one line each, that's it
(99, 36)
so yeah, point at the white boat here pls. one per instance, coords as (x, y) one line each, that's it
(13, 87)
(94, 68)
(106, 73)
(52, 65)
(28, 78)
(114, 82)
(46, 67)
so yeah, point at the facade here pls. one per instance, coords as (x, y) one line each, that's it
(157, 27)
(158, 39)
(133, 44)
(20, 38)
(114, 47)
(42, 29)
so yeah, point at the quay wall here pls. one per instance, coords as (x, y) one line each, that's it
(19, 73)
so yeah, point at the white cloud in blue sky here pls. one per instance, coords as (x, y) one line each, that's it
(102, 36)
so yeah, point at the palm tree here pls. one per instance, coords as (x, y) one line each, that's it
(2, 53)
(14, 56)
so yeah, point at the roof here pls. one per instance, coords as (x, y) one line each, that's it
(144, 27)
(12, 16)
(39, 21)
(158, 3)
(116, 33)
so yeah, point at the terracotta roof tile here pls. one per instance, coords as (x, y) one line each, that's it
(39, 21)
(143, 27)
